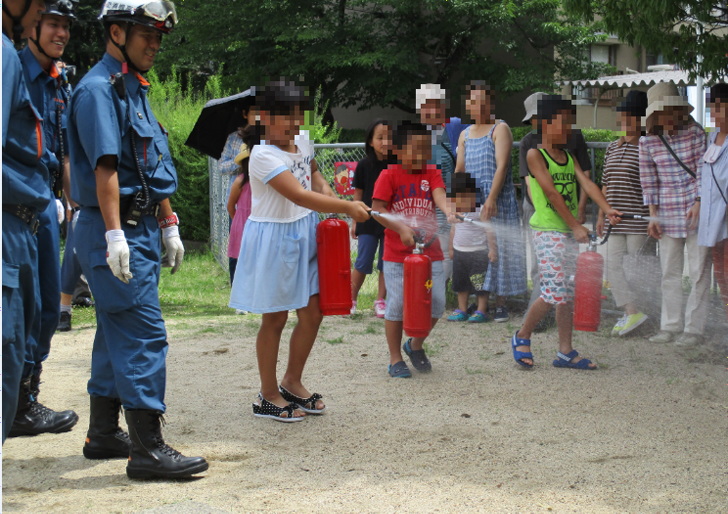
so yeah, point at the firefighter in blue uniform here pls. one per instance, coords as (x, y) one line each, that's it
(25, 194)
(122, 177)
(49, 92)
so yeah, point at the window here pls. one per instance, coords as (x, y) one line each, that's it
(606, 54)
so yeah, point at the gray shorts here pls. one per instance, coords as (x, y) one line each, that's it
(394, 280)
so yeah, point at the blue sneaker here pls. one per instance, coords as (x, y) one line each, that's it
(501, 315)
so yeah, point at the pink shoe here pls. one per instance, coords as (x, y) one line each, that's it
(380, 307)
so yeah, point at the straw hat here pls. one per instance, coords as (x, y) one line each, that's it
(531, 106)
(242, 155)
(429, 92)
(662, 95)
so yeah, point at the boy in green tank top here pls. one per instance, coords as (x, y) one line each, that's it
(557, 231)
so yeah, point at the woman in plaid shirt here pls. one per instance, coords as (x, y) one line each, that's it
(671, 192)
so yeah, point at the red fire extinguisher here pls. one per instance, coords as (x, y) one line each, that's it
(417, 290)
(588, 289)
(334, 266)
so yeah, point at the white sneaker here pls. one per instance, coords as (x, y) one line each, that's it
(353, 307)
(380, 307)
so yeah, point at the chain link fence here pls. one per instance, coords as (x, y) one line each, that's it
(326, 156)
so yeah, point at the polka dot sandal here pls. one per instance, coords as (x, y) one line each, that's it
(307, 405)
(265, 409)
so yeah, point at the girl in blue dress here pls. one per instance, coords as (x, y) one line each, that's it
(279, 249)
(484, 151)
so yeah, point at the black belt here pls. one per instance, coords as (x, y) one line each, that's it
(26, 214)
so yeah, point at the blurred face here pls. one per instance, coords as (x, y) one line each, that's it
(416, 152)
(381, 141)
(671, 118)
(432, 112)
(31, 18)
(281, 129)
(465, 202)
(54, 35)
(142, 45)
(479, 105)
(630, 125)
(557, 129)
(719, 112)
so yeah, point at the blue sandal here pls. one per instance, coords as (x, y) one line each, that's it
(518, 355)
(566, 361)
(399, 370)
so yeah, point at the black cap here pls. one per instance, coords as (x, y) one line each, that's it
(635, 104)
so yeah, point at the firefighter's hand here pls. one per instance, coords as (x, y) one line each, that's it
(358, 211)
(60, 211)
(117, 254)
(581, 234)
(407, 236)
(173, 246)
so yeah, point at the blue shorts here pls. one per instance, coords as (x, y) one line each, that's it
(367, 246)
(394, 280)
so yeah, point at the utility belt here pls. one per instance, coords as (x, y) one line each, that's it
(130, 212)
(26, 214)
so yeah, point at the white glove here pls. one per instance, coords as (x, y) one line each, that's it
(173, 246)
(61, 211)
(117, 255)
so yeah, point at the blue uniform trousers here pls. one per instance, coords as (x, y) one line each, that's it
(20, 307)
(130, 347)
(49, 279)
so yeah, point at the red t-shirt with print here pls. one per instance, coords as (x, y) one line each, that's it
(409, 194)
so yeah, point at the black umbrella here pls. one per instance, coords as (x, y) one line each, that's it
(217, 120)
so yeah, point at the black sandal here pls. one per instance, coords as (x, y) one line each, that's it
(266, 409)
(307, 405)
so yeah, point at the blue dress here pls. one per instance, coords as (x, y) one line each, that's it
(507, 276)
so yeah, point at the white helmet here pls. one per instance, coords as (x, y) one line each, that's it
(159, 14)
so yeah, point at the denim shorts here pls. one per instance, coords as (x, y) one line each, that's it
(367, 247)
(394, 280)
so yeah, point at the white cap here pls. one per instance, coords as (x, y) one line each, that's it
(429, 92)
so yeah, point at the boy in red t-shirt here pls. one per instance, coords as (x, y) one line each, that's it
(410, 190)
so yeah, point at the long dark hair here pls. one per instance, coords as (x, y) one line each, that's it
(369, 149)
(251, 137)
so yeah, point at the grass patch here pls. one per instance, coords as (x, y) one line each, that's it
(336, 340)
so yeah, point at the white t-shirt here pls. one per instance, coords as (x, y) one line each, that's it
(268, 161)
(470, 237)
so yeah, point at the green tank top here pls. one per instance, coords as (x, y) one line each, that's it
(545, 216)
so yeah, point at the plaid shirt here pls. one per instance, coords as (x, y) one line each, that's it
(664, 181)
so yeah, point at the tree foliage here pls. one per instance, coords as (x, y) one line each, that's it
(690, 33)
(377, 52)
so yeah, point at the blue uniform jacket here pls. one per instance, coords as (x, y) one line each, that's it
(49, 95)
(25, 177)
(100, 123)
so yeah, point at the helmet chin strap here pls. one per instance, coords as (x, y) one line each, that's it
(18, 28)
(127, 59)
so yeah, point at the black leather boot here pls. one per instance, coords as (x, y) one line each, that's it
(33, 418)
(150, 456)
(105, 439)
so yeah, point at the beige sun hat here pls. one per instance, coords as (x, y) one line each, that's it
(243, 154)
(662, 95)
(429, 92)
(531, 106)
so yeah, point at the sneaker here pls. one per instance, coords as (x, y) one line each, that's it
(353, 307)
(478, 317)
(663, 336)
(458, 315)
(619, 325)
(501, 315)
(380, 307)
(631, 322)
(64, 324)
(687, 339)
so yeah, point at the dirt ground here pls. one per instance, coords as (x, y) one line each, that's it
(645, 433)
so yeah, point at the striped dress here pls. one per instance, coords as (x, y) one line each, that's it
(507, 276)
(621, 178)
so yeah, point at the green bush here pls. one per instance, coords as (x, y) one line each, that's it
(177, 109)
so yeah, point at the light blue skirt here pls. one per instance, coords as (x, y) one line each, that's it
(277, 267)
